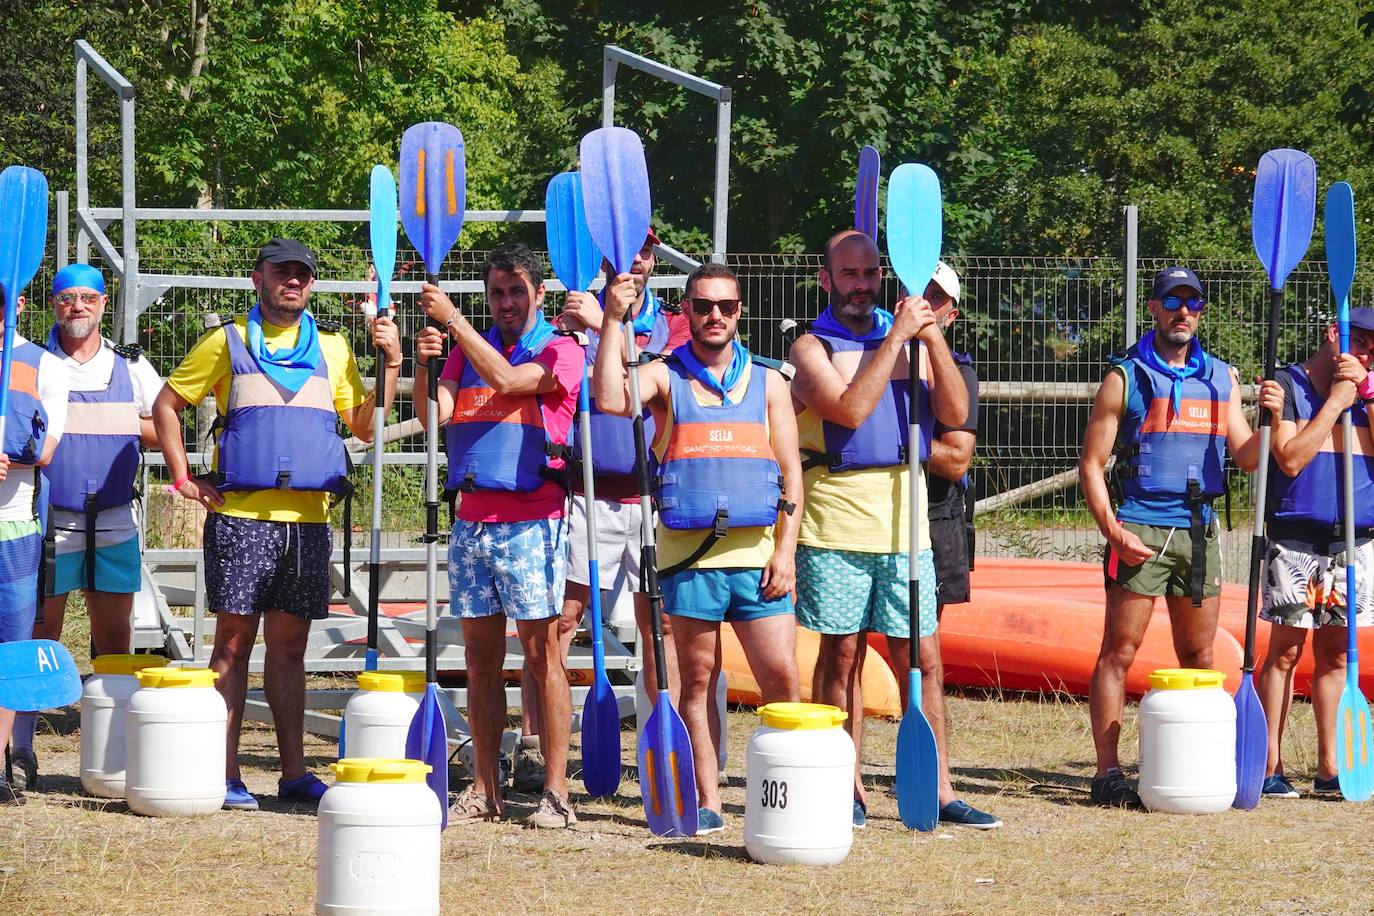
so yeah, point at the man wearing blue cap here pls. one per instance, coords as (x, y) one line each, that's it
(1170, 411)
(1304, 587)
(36, 420)
(92, 534)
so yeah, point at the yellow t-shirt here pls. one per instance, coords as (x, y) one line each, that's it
(205, 370)
(745, 548)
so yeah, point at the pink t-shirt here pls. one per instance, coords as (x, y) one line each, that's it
(564, 358)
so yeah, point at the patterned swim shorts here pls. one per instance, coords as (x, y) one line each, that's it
(253, 566)
(1305, 587)
(512, 568)
(845, 591)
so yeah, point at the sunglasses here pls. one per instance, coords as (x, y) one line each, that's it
(729, 308)
(1195, 304)
(71, 298)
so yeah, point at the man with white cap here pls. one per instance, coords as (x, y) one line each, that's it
(92, 534)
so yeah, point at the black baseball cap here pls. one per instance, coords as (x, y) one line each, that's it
(1172, 278)
(282, 251)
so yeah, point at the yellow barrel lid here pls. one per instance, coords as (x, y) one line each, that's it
(1186, 679)
(177, 677)
(797, 716)
(393, 681)
(125, 664)
(379, 769)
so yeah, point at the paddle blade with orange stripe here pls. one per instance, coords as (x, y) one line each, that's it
(433, 190)
(667, 772)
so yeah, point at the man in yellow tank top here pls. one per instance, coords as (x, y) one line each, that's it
(725, 434)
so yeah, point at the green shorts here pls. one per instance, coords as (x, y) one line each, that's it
(1169, 571)
(845, 591)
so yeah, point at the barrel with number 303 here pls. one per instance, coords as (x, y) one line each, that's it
(801, 786)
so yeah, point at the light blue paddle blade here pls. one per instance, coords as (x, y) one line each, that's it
(1354, 741)
(1339, 219)
(918, 762)
(615, 191)
(1285, 205)
(866, 192)
(23, 237)
(914, 224)
(37, 674)
(427, 741)
(1252, 744)
(574, 256)
(667, 772)
(433, 189)
(382, 232)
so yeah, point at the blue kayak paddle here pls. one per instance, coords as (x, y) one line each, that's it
(1281, 227)
(615, 187)
(433, 203)
(576, 260)
(914, 231)
(1354, 737)
(866, 192)
(382, 235)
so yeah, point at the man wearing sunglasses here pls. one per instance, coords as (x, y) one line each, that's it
(728, 488)
(851, 392)
(1304, 587)
(1171, 412)
(92, 528)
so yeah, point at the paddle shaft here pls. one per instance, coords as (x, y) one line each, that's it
(6, 361)
(913, 457)
(374, 567)
(584, 427)
(432, 507)
(648, 546)
(1257, 545)
(1348, 509)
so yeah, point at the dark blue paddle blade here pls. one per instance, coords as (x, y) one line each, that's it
(1339, 219)
(574, 256)
(37, 674)
(866, 192)
(918, 762)
(1354, 741)
(667, 772)
(427, 741)
(1252, 744)
(433, 189)
(615, 189)
(601, 738)
(914, 224)
(382, 232)
(1284, 207)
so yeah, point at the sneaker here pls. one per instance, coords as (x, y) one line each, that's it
(553, 812)
(1278, 786)
(709, 821)
(237, 797)
(470, 807)
(306, 788)
(860, 815)
(1111, 791)
(962, 814)
(25, 763)
(9, 796)
(529, 767)
(1328, 788)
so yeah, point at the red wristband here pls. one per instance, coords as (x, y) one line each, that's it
(175, 488)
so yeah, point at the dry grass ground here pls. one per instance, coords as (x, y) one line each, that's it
(1028, 760)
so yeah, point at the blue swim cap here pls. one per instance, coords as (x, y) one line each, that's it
(78, 275)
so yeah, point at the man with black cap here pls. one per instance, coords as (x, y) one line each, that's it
(1170, 412)
(281, 379)
(1304, 586)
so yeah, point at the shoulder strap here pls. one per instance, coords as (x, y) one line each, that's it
(328, 325)
(130, 352)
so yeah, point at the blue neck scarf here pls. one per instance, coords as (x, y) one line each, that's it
(1197, 366)
(648, 315)
(529, 344)
(738, 361)
(55, 343)
(826, 323)
(289, 368)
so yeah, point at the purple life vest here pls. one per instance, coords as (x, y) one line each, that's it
(97, 458)
(1317, 494)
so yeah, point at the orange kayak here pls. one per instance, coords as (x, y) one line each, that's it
(879, 684)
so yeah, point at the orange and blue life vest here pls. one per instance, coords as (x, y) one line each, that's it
(27, 426)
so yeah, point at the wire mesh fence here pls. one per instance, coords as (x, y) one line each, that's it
(1040, 331)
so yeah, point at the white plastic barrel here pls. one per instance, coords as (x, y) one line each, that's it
(643, 707)
(104, 701)
(377, 717)
(800, 807)
(378, 846)
(174, 743)
(1187, 742)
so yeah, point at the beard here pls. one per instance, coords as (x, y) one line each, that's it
(698, 334)
(1178, 336)
(292, 309)
(857, 303)
(81, 327)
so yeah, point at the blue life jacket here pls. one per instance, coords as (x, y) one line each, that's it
(26, 429)
(1165, 459)
(613, 443)
(98, 456)
(880, 441)
(499, 441)
(1317, 495)
(272, 438)
(718, 467)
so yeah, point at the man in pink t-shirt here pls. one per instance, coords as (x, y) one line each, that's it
(506, 399)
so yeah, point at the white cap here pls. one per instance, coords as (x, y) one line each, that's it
(947, 280)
